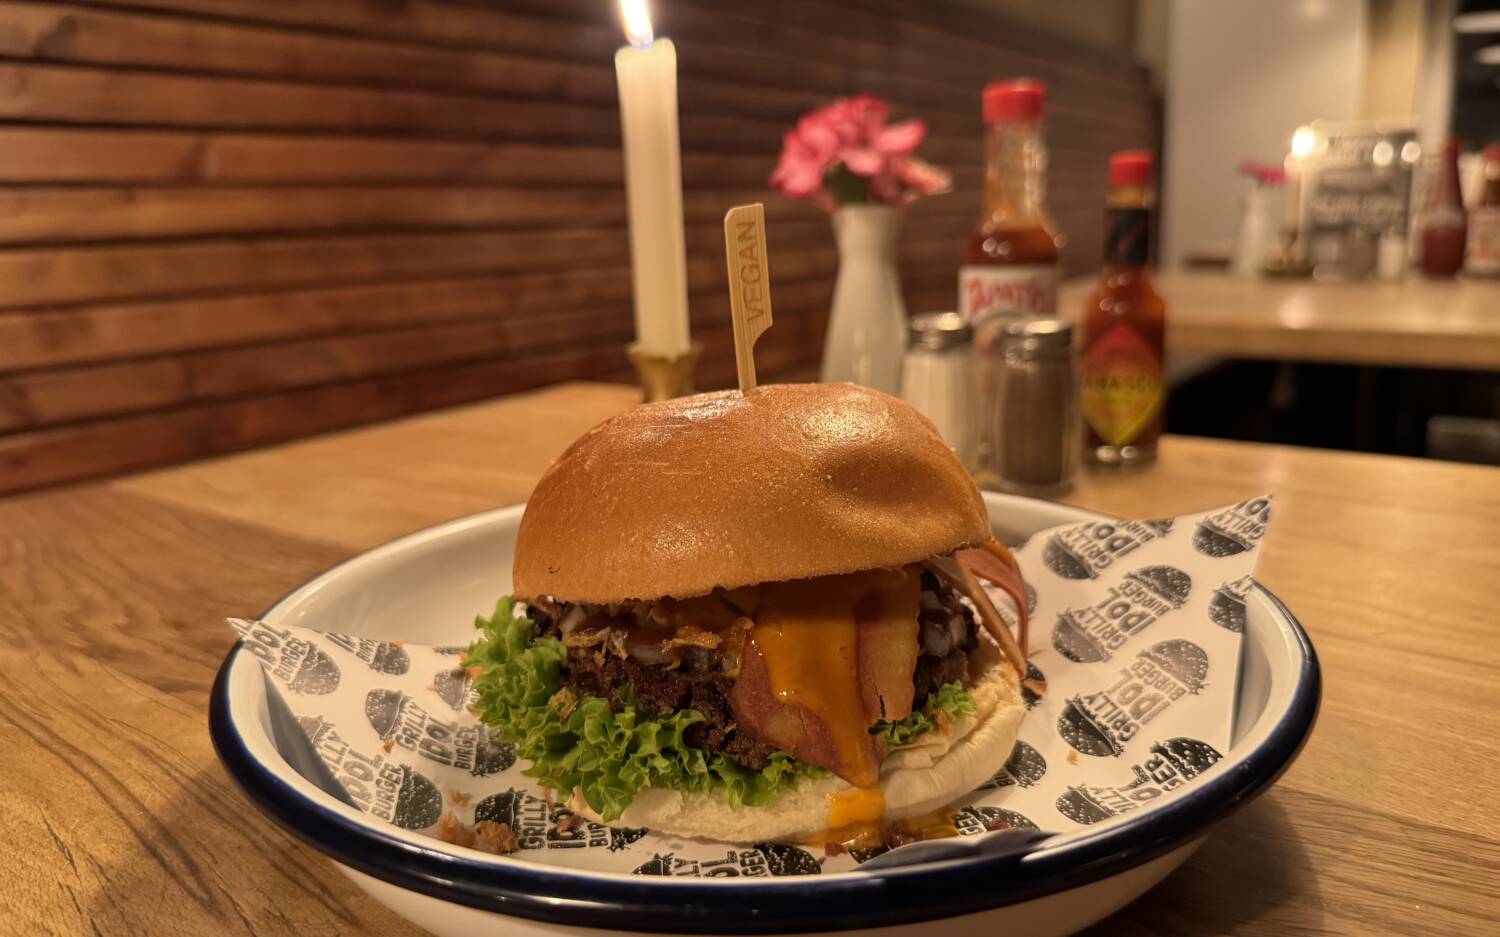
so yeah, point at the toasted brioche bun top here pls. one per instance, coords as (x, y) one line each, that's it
(727, 489)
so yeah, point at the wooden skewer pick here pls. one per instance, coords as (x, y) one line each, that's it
(749, 284)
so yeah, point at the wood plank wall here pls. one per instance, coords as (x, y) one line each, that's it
(229, 222)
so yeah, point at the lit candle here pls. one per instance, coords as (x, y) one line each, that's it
(646, 71)
(1295, 167)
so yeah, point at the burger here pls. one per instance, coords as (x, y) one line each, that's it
(754, 617)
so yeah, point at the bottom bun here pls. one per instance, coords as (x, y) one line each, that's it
(916, 779)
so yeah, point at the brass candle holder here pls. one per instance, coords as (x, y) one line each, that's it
(663, 378)
(1287, 259)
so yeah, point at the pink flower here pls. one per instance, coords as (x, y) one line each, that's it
(853, 133)
(922, 177)
(858, 122)
(901, 139)
(799, 172)
(807, 151)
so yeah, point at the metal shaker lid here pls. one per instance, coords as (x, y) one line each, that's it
(938, 331)
(1039, 336)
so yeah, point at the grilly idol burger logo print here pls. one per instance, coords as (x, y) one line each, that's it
(1101, 723)
(452, 686)
(1086, 550)
(539, 824)
(1092, 634)
(387, 657)
(758, 861)
(1024, 768)
(1233, 530)
(395, 716)
(392, 792)
(1171, 764)
(1033, 686)
(297, 664)
(1227, 608)
(979, 818)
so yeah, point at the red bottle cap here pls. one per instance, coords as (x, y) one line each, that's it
(1018, 100)
(1130, 167)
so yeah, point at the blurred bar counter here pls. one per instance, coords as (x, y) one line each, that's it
(1453, 325)
(1409, 368)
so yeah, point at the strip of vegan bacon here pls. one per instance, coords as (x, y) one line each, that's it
(958, 576)
(996, 564)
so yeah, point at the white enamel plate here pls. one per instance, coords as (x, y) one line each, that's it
(428, 587)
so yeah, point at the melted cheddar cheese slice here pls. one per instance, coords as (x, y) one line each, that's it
(827, 658)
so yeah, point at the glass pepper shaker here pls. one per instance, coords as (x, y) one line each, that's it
(1032, 408)
(937, 377)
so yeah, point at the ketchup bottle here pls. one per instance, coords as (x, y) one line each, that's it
(1124, 327)
(1442, 226)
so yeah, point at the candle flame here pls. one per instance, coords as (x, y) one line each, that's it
(1303, 142)
(637, 20)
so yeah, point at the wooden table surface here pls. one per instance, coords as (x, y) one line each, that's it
(1415, 323)
(118, 820)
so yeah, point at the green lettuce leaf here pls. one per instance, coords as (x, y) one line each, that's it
(950, 699)
(582, 744)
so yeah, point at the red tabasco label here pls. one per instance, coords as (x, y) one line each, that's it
(1019, 290)
(1122, 385)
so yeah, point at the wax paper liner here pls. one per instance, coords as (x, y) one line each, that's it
(1135, 644)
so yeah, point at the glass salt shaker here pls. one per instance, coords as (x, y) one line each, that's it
(1033, 405)
(937, 377)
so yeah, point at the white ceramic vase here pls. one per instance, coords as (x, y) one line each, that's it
(867, 326)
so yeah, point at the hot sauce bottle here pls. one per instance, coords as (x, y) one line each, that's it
(1124, 325)
(1010, 266)
(1483, 258)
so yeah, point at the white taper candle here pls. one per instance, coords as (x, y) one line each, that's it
(647, 75)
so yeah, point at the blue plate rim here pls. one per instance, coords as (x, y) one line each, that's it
(792, 904)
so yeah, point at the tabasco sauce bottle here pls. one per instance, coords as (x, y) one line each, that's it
(1124, 323)
(1010, 266)
(1483, 259)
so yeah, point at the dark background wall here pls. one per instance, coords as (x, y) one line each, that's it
(1476, 105)
(229, 222)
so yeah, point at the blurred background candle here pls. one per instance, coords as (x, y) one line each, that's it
(1295, 169)
(646, 71)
